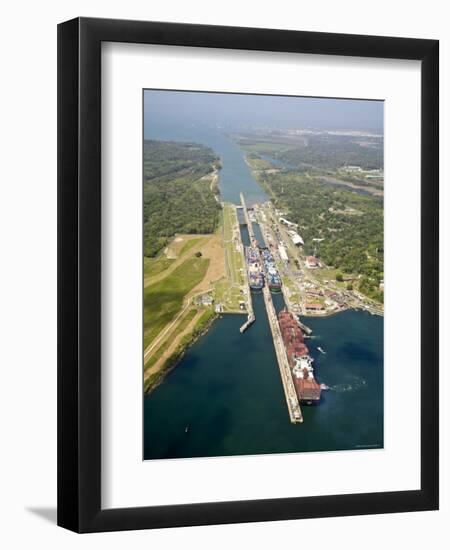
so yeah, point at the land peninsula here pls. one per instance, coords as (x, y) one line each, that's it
(323, 224)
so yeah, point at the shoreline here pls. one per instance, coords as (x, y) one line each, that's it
(333, 313)
(165, 371)
(179, 353)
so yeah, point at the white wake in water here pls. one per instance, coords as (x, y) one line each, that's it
(354, 384)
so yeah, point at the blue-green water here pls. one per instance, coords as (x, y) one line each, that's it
(225, 397)
(227, 390)
(235, 176)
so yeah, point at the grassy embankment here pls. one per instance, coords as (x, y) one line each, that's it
(155, 266)
(228, 291)
(171, 321)
(164, 299)
(263, 148)
(203, 321)
(257, 163)
(183, 254)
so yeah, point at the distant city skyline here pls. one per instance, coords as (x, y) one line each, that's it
(240, 110)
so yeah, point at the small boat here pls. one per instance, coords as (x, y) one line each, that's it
(186, 429)
(324, 387)
(321, 350)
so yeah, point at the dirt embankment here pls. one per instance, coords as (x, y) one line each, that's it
(211, 248)
(172, 346)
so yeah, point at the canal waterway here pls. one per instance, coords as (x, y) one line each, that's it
(235, 176)
(225, 397)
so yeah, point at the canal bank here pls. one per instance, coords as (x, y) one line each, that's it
(228, 393)
(226, 397)
(234, 177)
(230, 398)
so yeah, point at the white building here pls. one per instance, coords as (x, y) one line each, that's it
(283, 253)
(206, 300)
(296, 239)
(351, 168)
(288, 223)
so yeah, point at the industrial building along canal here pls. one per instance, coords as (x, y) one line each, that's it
(294, 362)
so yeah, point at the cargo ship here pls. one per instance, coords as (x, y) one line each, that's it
(272, 276)
(306, 386)
(255, 274)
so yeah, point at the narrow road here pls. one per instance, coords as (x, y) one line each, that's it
(171, 347)
(161, 336)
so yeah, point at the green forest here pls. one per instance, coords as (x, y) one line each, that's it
(343, 228)
(176, 198)
(324, 151)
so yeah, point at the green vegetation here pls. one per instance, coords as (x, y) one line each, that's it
(353, 244)
(332, 152)
(370, 287)
(184, 322)
(188, 245)
(324, 151)
(227, 295)
(235, 261)
(361, 178)
(155, 266)
(293, 290)
(204, 322)
(262, 147)
(257, 163)
(164, 299)
(227, 291)
(200, 327)
(177, 197)
(229, 220)
(342, 227)
(322, 154)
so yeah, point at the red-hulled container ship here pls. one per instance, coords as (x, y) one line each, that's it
(306, 386)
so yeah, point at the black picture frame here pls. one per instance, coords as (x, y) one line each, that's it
(79, 274)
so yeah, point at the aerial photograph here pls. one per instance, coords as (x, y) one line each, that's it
(263, 274)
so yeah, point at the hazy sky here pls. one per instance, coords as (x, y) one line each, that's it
(231, 110)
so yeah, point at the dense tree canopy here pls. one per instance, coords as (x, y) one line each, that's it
(343, 228)
(325, 151)
(176, 198)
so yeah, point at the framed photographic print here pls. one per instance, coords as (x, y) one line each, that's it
(248, 275)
